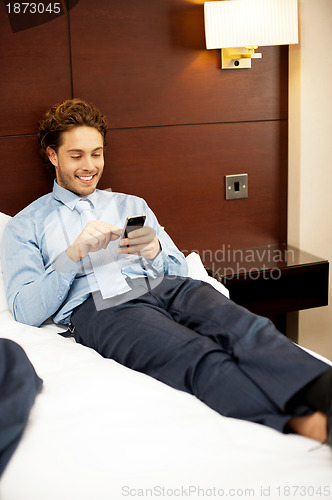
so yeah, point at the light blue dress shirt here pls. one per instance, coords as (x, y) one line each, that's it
(42, 281)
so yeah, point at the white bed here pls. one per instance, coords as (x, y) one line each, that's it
(99, 431)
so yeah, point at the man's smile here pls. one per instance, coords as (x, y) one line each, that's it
(86, 179)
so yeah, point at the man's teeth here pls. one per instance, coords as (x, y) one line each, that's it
(87, 178)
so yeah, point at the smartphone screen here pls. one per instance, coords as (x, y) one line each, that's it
(133, 222)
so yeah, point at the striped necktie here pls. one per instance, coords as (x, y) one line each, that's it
(110, 280)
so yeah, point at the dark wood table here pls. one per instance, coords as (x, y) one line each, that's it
(271, 280)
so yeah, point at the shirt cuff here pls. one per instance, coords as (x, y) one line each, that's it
(158, 262)
(64, 265)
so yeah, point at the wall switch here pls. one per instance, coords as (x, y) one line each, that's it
(236, 186)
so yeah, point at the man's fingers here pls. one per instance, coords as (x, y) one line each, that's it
(98, 232)
(104, 228)
(138, 243)
(147, 249)
(115, 233)
(143, 236)
(133, 248)
(96, 236)
(142, 232)
(139, 231)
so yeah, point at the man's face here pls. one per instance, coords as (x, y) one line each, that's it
(79, 161)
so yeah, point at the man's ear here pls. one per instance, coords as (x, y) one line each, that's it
(52, 156)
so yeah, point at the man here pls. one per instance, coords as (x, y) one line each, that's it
(63, 257)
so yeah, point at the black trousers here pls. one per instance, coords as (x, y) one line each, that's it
(19, 386)
(186, 334)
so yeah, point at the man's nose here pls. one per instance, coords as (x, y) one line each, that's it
(88, 164)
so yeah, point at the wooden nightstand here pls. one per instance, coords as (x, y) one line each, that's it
(272, 280)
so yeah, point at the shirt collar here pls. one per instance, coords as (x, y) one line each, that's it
(70, 199)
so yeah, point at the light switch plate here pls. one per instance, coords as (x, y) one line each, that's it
(236, 186)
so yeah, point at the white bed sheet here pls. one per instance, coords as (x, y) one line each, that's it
(99, 431)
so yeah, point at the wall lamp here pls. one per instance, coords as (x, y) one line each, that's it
(239, 27)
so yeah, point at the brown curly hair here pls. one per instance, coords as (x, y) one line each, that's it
(65, 116)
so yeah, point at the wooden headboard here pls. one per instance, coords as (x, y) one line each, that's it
(178, 124)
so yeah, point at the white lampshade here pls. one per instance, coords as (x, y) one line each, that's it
(243, 23)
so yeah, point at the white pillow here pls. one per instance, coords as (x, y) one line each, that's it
(197, 271)
(3, 221)
(3, 301)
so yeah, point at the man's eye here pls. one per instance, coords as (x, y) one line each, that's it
(76, 157)
(96, 155)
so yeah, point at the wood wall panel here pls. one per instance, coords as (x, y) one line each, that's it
(35, 72)
(24, 177)
(178, 124)
(180, 172)
(145, 64)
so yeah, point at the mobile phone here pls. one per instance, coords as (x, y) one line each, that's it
(133, 222)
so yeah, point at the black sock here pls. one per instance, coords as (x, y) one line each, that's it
(317, 394)
(319, 391)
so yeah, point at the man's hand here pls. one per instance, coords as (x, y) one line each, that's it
(142, 242)
(95, 236)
